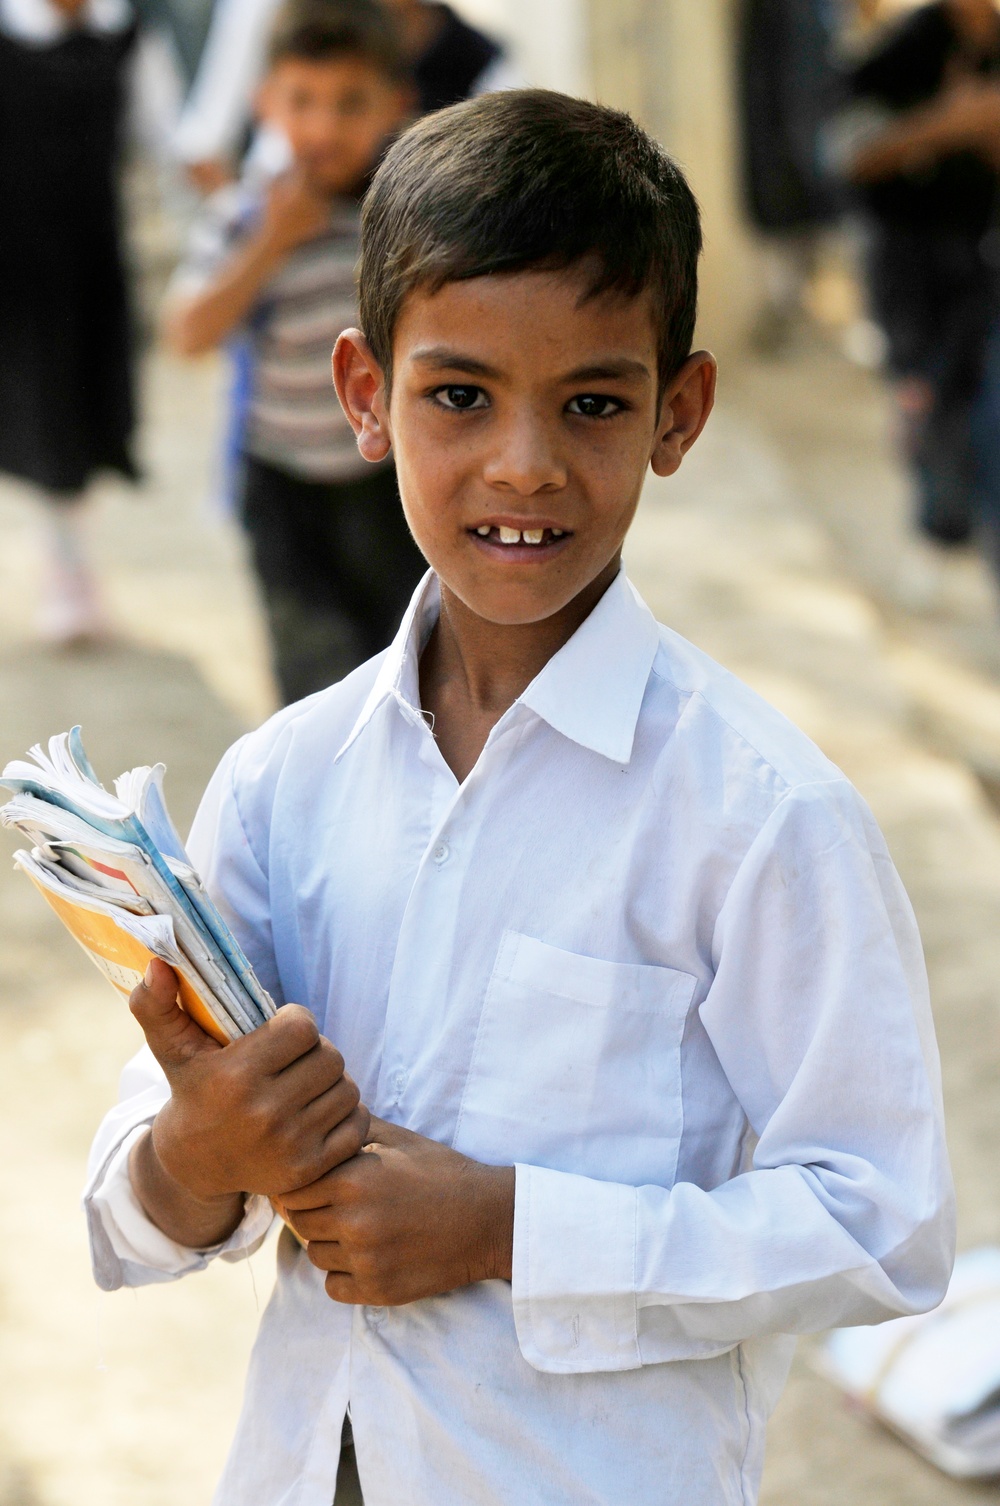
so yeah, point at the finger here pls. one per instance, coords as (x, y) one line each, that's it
(328, 1255)
(320, 1225)
(289, 1035)
(313, 1073)
(324, 1192)
(323, 1113)
(316, 1156)
(342, 1287)
(381, 1132)
(346, 1141)
(349, 1138)
(173, 1036)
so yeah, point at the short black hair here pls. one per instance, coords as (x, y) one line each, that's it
(528, 178)
(316, 30)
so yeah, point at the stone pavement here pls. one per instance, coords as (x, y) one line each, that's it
(781, 549)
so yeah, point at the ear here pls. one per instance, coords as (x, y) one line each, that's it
(360, 386)
(687, 402)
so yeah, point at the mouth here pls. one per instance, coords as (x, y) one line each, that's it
(520, 542)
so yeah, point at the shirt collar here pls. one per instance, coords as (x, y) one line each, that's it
(398, 676)
(591, 691)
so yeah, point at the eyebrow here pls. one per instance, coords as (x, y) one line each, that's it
(446, 359)
(614, 369)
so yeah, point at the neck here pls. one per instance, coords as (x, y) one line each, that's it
(489, 664)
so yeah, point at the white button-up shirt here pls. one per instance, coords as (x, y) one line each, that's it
(653, 951)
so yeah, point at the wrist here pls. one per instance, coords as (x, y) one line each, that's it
(495, 1223)
(191, 1218)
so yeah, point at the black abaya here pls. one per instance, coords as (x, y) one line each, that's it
(66, 361)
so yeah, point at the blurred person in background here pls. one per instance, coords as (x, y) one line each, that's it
(787, 87)
(66, 361)
(273, 262)
(920, 141)
(449, 61)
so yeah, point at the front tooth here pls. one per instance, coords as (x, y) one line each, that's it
(557, 533)
(485, 531)
(533, 535)
(510, 535)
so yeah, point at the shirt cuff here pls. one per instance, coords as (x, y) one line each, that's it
(574, 1272)
(127, 1247)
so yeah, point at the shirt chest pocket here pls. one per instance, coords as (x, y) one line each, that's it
(576, 1065)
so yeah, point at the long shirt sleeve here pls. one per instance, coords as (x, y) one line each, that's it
(127, 1249)
(819, 1015)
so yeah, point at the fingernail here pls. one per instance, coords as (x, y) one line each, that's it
(148, 979)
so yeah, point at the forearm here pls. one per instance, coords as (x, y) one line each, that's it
(916, 140)
(610, 1277)
(491, 1211)
(198, 323)
(193, 1222)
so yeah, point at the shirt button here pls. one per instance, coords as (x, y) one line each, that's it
(376, 1316)
(399, 1081)
(442, 853)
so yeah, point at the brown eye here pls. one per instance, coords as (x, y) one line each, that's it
(593, 405)
(461, 397)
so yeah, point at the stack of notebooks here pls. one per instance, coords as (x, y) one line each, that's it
(115, 872)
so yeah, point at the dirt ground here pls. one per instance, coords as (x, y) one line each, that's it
(782, 549)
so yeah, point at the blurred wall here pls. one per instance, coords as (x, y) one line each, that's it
(549, 37)
(669, 63)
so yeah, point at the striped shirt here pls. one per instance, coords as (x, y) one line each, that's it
(287, 410)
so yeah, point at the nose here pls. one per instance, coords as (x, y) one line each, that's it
(526, 458)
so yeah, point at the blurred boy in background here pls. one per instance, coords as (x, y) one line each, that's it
(449, 60)
(66, 377)
(276, 263)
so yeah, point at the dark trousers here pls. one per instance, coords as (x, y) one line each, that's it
(337, 565)
(348, 1483)
(935, 296)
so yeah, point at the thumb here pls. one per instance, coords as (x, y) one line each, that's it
(173, 1037)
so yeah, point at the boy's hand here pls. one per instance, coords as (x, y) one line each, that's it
(270, 1111)
(407, 1218)
(209, 175)
(295, 213)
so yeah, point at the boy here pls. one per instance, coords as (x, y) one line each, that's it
(449, 61)
(618, 958)
(330, 544)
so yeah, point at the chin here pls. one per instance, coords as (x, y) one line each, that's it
(331, 180)
(509, 607)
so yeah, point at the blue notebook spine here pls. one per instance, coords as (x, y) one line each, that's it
(199, 908)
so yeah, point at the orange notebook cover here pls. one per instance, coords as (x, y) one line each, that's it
(122, 958)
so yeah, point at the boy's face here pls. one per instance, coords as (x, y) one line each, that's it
(335, 114)
(521, 412)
